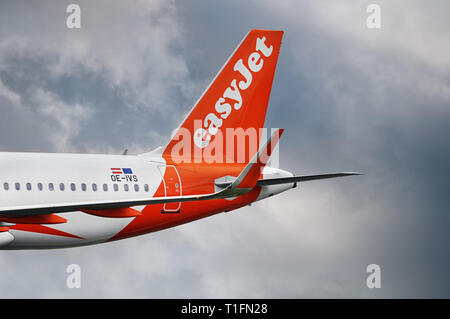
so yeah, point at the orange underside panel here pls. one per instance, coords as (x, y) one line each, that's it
(114, 212)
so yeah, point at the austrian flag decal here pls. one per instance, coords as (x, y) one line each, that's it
(121, 171)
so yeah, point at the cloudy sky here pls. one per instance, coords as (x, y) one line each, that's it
(349, 97)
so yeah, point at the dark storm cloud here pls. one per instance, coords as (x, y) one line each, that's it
(351, 98)
(132, 76)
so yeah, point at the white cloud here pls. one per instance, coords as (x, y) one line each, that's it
(129, 44)
(408, 28)
(65, 118)
(11, 97)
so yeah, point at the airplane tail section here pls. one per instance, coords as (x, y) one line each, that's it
(233, 106)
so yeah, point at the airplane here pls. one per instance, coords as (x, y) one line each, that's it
(53, 200)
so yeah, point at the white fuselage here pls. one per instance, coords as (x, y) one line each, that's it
(54, 179)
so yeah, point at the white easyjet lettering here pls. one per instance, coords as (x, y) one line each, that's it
(253, 62)
(234, 94)
(212, 121)
(261, 47)
(240, 67)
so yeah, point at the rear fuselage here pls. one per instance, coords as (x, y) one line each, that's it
(46, 179)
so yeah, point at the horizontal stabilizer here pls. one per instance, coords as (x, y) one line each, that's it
(305, 178)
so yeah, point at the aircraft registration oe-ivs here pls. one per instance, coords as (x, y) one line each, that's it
(65, 200)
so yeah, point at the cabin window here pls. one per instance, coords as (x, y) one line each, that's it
(136, 187)
(29, 186)
(126, 187)
(17, 185)
(146, 188)
(83, 187)
(51, 187)
(6, 186)
(116, 187)
(72, 186)
(105, 187)
(40, 186)
(62, 187)
(94, 187)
